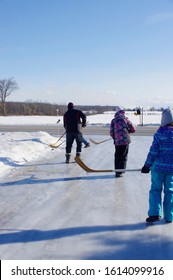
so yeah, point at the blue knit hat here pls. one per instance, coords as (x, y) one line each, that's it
(167, 117)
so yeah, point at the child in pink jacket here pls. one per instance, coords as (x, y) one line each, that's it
(120, 130)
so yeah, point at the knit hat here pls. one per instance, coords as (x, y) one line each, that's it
(118, 108)
(70, 105)
(167, 117)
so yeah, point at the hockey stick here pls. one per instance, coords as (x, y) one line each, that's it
(89, 170)
(56, 146)
(58, 139)
(95, 142)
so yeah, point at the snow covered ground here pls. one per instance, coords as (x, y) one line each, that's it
(53, 211)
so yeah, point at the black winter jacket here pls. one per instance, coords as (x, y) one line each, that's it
(73, 120)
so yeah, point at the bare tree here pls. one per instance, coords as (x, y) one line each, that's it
(7, 86)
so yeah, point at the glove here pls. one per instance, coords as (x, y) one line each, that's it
(145, 169)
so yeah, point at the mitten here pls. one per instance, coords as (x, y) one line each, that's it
(145, 169)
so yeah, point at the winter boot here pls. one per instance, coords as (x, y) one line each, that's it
(152, 219)
(87, 145)
(67, 158)
(118, 174)
(77, 154)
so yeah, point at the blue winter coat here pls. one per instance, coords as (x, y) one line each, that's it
(161, 150)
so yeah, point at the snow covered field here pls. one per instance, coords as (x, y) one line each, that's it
(53, 211)
(149, 118)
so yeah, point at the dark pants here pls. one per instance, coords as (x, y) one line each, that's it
(70, 137)
(121, 153)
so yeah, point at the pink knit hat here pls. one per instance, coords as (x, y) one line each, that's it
(118, 108)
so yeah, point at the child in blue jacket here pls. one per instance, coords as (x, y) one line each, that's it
(160, 162)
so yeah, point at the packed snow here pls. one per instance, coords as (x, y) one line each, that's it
(51, 210)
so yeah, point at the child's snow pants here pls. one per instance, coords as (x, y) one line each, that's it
(161, 181)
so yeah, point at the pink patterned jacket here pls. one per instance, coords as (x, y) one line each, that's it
(120, 129)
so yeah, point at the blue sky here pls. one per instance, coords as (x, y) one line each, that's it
(104, 52)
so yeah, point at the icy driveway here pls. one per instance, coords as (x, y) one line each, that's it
(50, 210)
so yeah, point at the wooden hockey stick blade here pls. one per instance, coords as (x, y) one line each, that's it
(89, 170)
(58, 139)
(56, 146)
(95, 142)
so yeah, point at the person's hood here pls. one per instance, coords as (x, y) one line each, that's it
(119, 114)
(118, 108)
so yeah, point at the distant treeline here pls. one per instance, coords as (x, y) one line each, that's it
(46, 109)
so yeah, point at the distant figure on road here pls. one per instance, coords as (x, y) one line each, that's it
(160, 162)
(73, 120)
(120, 130)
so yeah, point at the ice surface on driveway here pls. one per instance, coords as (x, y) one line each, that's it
(51, 210)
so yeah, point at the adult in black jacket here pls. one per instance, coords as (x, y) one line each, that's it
(73, 121)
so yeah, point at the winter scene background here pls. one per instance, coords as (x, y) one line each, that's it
(89, 52)
(50, 210)
(14, 150)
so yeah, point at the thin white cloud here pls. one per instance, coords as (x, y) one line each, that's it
(158, 18)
